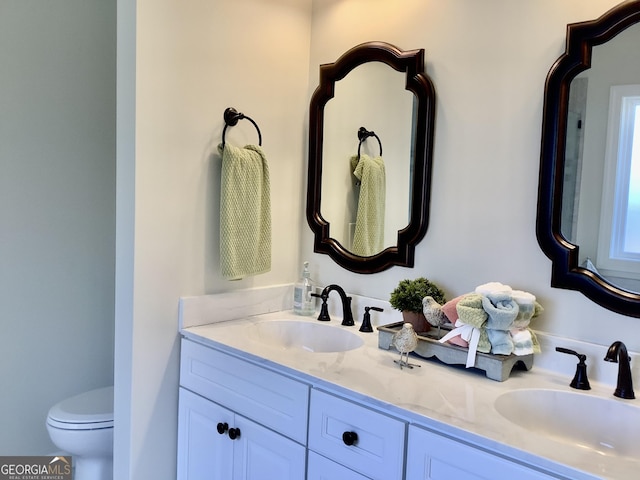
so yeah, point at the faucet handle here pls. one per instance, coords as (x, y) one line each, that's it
(580, 380)
(324, 310)
(366, 319)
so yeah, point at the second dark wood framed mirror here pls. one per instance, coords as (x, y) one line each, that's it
(581, 174)
(384, 90)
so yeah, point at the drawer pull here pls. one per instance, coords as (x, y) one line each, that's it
(350, 438)
(222, 428)
(234, 433)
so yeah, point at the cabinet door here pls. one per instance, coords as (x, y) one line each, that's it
(202, 452)
(261, 454)
(321, 468)
(433, 457)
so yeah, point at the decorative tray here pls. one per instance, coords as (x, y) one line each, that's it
(496, 367)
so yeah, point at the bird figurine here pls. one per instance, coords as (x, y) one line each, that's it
(433, 312)
(405, 341)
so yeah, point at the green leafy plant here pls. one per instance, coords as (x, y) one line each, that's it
(408, 294)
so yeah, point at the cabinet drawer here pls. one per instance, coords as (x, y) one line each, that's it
(321, 468)
(378, 449)
(433, 457)
(273, 400)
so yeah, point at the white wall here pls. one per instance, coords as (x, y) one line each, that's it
(180, 65)
(57, 209)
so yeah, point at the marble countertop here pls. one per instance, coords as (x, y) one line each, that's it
(450, 400)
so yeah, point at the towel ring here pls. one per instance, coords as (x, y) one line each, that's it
(231, 118)
(363, 134)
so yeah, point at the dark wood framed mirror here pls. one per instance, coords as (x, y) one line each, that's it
(415, 166)
(588, 44)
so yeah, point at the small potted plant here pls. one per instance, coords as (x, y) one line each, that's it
(407, 297)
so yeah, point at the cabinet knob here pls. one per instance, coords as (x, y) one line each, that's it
(234, 433)
(222, 428)
(350, 438)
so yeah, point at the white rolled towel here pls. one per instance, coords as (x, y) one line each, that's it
(492, 288)
(527, 303)
(522, 341)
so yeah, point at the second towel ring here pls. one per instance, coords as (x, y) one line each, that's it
(231, 118)
(363, 134)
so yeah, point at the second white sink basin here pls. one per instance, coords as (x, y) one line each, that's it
(606, 426)
(304, 335)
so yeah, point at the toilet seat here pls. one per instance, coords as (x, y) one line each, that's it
(88, 411)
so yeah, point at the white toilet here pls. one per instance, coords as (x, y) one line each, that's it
(82, 426)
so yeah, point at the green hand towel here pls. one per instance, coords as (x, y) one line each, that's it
(470, 311)
(368, 238)
(245, 212)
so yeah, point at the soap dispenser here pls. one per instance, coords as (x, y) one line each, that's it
(303, 302)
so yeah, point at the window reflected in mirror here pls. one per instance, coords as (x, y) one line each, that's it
(600, 211)
(618, 254)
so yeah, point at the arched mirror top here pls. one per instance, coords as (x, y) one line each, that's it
(569, 270)
(420, 118)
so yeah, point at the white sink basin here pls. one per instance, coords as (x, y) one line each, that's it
(307, 336)
(606, 426)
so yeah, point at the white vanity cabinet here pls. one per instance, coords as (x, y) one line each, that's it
(248, 404)
(364, 440)
(278, 426)
(216, 444)
(431, 456)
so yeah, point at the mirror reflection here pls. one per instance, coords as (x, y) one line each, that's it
(601, 196)
(368, 210)
(372, 95)
(587, 221)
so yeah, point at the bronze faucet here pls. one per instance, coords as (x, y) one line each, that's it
(347, 314)
(617, 353)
